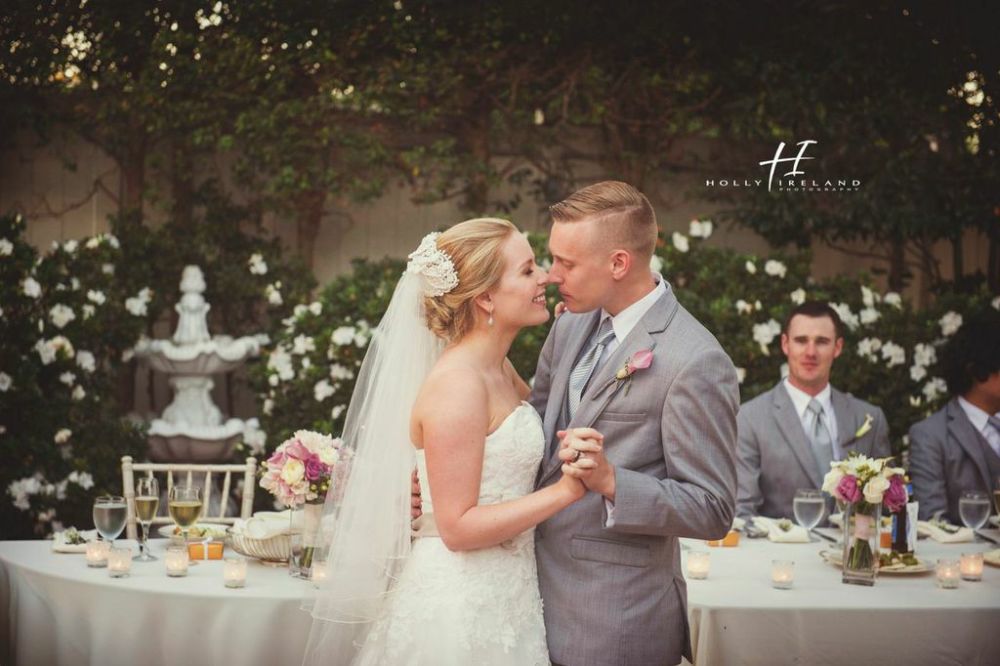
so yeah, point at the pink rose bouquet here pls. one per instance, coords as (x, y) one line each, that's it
(300, 469)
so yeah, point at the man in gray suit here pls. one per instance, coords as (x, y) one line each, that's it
(789, 435)
(655, 445)
(957, 448)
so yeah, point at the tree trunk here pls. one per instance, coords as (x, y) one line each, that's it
(476, 137)
(132, 162)
(309, 215)
(182, 183)
(993, 260)
(897, 265)
(957, 260)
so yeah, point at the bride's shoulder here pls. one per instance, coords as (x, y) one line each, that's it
(452, 385)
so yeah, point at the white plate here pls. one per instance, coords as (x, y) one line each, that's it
(218, 531)
(836, 559)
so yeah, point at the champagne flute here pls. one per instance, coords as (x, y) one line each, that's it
(809, 506)
(147, 500)
(184, 506)
(110, 514)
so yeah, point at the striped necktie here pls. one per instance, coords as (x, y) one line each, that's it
(822, 443)
(588, 362)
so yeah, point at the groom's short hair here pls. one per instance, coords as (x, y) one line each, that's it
(624, 214)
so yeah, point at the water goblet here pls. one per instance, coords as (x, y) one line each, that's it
(110, 514)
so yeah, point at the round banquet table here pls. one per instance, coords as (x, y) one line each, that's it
(736, 616)
(56, 610)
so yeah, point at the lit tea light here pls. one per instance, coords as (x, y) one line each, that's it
(177, 561)
(319, 572)
(782, 574)
(971, 566)
(698, 565)
(948, 571)
(119, 562)
(234, 571)
(97, 553)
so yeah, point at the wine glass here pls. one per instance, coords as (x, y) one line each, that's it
(147, 501)
(184, 506)
(110, 514)
(996, 496)
(974, 509)
(809, 507)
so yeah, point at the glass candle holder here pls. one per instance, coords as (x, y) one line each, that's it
(782, 574)
(971, 566)
(319, 572)
(698, 563)
(119, 562)
(97, 553)
(948, 572)
(234, 572)
(176, 561)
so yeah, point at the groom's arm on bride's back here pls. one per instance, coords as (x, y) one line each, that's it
(698, 435)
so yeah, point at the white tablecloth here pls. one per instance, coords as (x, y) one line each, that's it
(54, 610)
(906, 620)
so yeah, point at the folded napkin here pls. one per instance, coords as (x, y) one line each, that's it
(945, 533)
(266, 524)
(794, 533)
(59, 544)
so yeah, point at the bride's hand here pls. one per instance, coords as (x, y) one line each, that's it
(571, 485)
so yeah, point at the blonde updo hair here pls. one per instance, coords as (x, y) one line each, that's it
(474, 247)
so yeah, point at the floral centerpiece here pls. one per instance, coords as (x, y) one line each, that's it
(864, 485)
(299, 475)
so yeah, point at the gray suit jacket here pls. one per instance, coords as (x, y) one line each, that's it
(775, 457)
(947, 458)
(616, 595)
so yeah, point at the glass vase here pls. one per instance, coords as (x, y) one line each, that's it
(304, 538)
(862, 522)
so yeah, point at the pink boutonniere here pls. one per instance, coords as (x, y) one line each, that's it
(640, 360)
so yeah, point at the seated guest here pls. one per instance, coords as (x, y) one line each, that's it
(957, 448)
(789, 435)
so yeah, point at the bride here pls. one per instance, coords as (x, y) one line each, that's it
(436, 391)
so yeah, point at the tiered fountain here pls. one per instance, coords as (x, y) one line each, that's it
(191, 428)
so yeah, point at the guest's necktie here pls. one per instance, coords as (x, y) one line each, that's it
(585, 366)
(995, 422)
(822, 443)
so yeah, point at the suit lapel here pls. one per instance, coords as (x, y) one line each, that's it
(790, 426)
(575, 340)
(961, 428)
(847, 421)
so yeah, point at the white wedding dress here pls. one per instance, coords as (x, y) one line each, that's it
(473, 607)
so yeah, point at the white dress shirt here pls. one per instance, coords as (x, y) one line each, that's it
(981, 422)
(800, 400)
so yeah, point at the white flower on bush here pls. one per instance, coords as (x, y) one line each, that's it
(88, 311)
(257, 264)
(49, 349)
(306, 363)
(751, 267)
(60, 315)
(934, 388)
(867, 348)
(82, 479)
(96, 296)
(343, 335)
(843, 311)
(316, 308)
(743, 307)
(741, 374)
(255, 438)
(280, 361)
(137, 304)
(764, 334)
(303, 344)
(74, 283)
(268, 407)
(108, 269)
(917, 372)
(893, 354)
(67, 378)
(915, 401)
(70, 246)
(337, 411)
(78, 393)
(996, 303)
(363, 334)
(924, 355)
(63, 436)
(869, 297)
(893, 299)
(340, 373)
(6, 247)
(656, 264)
(775, 268)
(869, 315)
(86, 360)
(950, 322)
(300, 310)
(22, 489)
(798, 296)
(322, 390)
(31, 288)
(700, 228)
(273, 294)
(5, 382)
(680, 241)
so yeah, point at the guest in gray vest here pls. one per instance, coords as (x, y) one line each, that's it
(957, 448)
(789, 435)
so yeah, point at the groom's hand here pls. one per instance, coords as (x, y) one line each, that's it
(416, 506)
(582, 449)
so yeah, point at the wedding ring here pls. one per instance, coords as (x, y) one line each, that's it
(579, 454)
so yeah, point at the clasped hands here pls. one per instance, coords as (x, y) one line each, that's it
(581, 451)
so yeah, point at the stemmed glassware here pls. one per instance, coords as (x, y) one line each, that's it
(809, 507)
(147, 500)
(110, 514)
(184, 506)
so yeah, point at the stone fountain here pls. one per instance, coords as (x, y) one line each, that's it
(191, 428)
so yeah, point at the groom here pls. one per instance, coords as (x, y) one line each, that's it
(656, 447)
